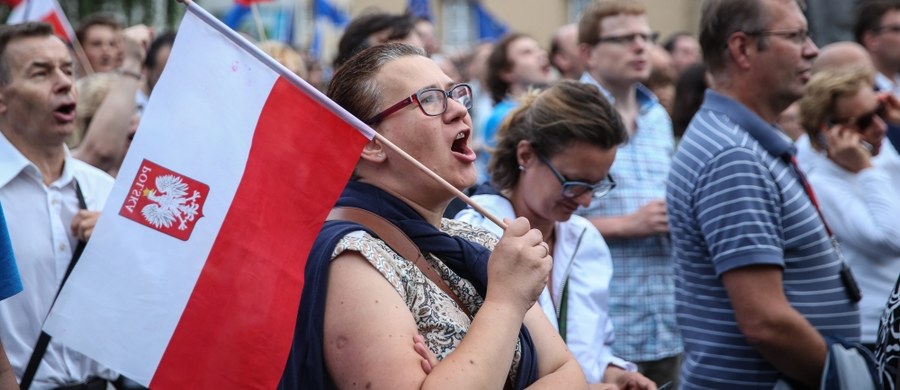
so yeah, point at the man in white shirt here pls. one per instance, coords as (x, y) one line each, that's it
(44, 191)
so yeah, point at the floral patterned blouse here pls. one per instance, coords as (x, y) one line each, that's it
(439, 319)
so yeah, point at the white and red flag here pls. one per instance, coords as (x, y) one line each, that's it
(47, 11)
(193, 275)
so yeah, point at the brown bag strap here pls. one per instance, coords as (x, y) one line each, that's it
(398, 241)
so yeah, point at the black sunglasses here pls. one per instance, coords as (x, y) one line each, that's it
(863, 121)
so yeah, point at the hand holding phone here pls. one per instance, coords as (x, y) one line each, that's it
(845, 147)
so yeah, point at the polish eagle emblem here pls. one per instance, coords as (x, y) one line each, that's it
(170, 203)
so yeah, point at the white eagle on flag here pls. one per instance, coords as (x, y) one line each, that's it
(172, 203)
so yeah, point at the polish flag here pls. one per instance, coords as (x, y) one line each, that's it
(47, 11)
(193, 276)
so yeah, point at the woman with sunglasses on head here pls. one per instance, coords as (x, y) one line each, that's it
(553, 155)
(855, 175)
(370, 317)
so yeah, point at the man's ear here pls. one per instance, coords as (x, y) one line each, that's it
(374, 151)
(2, 100)
(584, 54)
(739, 49)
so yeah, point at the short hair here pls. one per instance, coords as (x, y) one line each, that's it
(353, 86)
(555, 48)
(96, 19)
(593, 15)
(823, 91)
(166, 39)
(356, 36)
(722, 18)
(11, 32)
(670, 42)
(869, 14)
(499, 62)
(92, 90)
(552, 121)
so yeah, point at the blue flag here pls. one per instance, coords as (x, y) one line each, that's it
(324, 11)
(489, 28)
(236, 15)
(419, 9)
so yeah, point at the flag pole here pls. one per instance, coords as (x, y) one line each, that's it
(82, 56)
(459, 194)
(260, 29)
(316, 95)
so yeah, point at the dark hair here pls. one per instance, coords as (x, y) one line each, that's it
(97, 19)
(722, 18)
(869, 14)
(165, 40)
(555, 48)
(353, 86)
(499, 62)
(11, 32)
(670, 42)
(689, 91)
(552, 121)
(357, 35)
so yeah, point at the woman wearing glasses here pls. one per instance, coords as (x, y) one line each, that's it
(370, 317)
(551, 158)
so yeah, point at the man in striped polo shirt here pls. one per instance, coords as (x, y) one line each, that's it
(758, 281)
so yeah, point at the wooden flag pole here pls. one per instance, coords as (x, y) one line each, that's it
(82, 57)
(459, 194)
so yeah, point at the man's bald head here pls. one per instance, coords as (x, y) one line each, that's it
(840, 55)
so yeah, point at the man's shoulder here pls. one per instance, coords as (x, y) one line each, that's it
(710, 134)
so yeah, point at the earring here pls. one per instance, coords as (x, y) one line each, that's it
(521, 168)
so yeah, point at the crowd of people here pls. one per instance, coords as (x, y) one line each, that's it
(710, 212)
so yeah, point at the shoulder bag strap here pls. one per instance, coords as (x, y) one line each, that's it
(398, 241)
(40, 348)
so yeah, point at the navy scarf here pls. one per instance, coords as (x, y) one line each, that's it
(306, 364)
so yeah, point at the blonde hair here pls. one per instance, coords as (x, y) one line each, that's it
(822, 92)
(285, 55)
(91, 92)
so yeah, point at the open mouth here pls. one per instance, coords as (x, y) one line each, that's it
(65, 113)
(460, 146)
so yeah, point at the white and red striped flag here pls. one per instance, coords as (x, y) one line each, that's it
(47, 11)
(193, 276)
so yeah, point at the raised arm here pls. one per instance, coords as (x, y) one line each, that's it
(104, 141)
